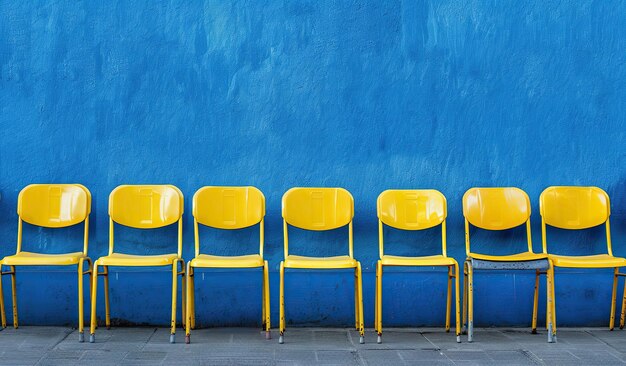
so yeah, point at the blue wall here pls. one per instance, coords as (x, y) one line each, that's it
(362, 95)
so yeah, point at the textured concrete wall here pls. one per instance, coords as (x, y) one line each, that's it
(363, 95)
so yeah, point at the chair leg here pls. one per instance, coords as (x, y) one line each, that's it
(193, 299)
(376, 301)
(183, 298)
(548, 303)
(356, 300)
(360, 304)
(613, 299)
(81, 315)
(456, 303)
(266, 300)
(94, 293)
(470, 302)
(535, 303)
(174, 293)
(189, 294)
(379, 301)
(551, 303)
(464, 322)
(14, 296)
(263, 303)
(107, 303)
(623, 314)
(3, 315)
(90, 280)
(449, 299)
(553, 298)
(282, 303)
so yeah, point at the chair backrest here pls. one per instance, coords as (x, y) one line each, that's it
(411, 210)
(498, 208)
(317, 209)
(54, 206)
(146, 207)
(574, 208)
(228, 208)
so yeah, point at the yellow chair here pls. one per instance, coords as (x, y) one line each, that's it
(501, 209)
(141, 207)
(578, 208)
(320, 209)
(50, 206)
(415, 210)
(228, 208)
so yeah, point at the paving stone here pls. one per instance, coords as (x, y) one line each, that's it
(478, 363)
(236, 361)
(338, 357)
(381, 357)
(295, 355)
(422, 355)
(65, 355)
(458, 355)
(57, 362)
(23, 359)
(550, 357)
(185, 362)
(429, 363)
(102, 356)
(511, 356)
(143, 355)
(587, 356)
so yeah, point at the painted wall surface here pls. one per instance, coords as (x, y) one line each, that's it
(363, 95)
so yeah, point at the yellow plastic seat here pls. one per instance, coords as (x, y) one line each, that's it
(228, 208)
(41, 259)
(236, 261)
(580, 208)
(131, 260)
(320, 209)
(499, 209)
(588, 261)
(414, 210)
(336, 262)
(427, 261)
(141, 207)
(50, 206)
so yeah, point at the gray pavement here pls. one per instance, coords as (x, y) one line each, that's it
(307, 346)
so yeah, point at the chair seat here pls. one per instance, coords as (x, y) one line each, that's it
(41, 259)
(519, 257)
(131, 260)
(587, 261)
(239, 261)
(342, 261)
(433, 260)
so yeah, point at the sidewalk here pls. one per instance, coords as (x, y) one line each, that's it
(307, 346)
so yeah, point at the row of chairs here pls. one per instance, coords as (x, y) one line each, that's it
(316, 209)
